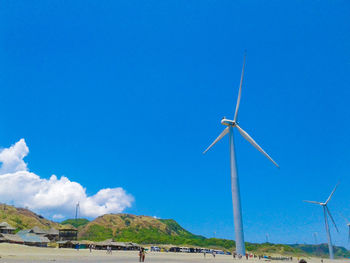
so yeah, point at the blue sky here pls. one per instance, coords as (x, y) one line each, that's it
(129, 93)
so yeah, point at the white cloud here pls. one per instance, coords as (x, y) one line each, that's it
(57, 216)
(53, 196)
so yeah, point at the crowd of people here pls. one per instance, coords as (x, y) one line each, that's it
(142, 255)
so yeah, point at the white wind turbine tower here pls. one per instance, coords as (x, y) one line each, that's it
(325, 212)
(237, 211)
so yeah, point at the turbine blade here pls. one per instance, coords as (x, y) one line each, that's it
(217, 139)
(312, 202)
(329, 213)
(250, 139)
(240, 90)
(330, 196)
(346, 220)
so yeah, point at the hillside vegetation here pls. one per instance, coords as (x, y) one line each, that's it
(150, 230)
(22, 218)
(75, 222)
(322, 250)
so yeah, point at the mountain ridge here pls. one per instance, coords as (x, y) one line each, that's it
(22, 218)
(149, 230)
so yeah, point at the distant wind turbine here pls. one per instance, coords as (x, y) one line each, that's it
(348, 224)
(77, 208)
(237, 210)
(315, 237)
(325, 212)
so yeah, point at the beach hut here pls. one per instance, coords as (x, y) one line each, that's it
(65, 244)
(31, 239)
(83, 244)
(73, 244)
(10, 238)
(5, 228)
(134, 246)
(102, 245)
(52, 234)
(112, 244)
(125, 246)
(67, 233)
(38, 231)
(120, 245)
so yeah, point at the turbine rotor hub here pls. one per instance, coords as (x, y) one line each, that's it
(228, 122)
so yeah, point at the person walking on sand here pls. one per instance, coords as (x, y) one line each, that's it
(204, 253)
(140, 255)
(143, 255)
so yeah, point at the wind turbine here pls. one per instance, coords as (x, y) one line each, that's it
(315, 237)
(237, 210)
(348, 224)
(77, 208)
(325, 212)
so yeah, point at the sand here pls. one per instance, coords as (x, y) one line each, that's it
(19, 253)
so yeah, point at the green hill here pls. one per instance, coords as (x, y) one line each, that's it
(150, 230)
(321, 250)
(22, 218)
(141, 229)
(79, 222)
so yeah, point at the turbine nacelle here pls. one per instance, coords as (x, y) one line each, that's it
(228, 122)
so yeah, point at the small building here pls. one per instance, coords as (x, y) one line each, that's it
(67, 233)
(10, 238)
(5, 228)
(102, 245)
(31, 239)
(65, 244)
(120, 245)
(52, 234)
(116, 245)
(134, 246)
(38, 231)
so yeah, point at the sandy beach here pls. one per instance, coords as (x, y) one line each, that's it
(19, 253)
